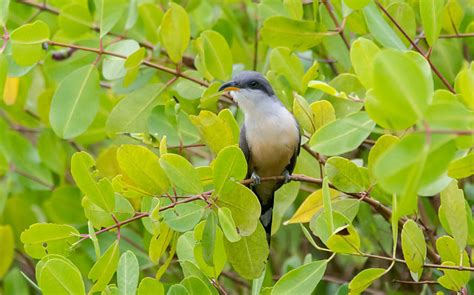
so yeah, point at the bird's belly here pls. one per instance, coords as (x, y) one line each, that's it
(272, 144)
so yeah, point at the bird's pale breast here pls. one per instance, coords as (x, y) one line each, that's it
(272, 139)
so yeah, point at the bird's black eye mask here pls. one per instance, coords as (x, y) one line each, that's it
(258, 84)
(248, 80)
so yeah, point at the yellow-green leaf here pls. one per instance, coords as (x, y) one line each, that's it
(413, 247)
(310, 206)
(41, 239)
(7, 247)
(175, 31)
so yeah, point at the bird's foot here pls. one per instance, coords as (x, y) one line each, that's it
(287, 176)
(255, 179)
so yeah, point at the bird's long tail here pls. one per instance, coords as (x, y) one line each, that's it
(266, 218)
(265, 193)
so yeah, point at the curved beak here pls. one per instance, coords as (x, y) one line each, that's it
(229, 86)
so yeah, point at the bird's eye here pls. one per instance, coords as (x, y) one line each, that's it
(253, 84)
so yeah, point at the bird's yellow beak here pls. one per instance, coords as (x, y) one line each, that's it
(229, 86)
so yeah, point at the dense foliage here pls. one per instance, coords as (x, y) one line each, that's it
(120, 171)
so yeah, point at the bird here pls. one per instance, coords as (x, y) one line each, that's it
(270, 137)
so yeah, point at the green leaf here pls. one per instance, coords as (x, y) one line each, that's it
(127, 273)
(41, 239)
(159, 242)
(249, 256)
(114, 67)
(142, 168)
(344, 240)
(294, 8)
(215, 54)
(452, 16)
(183, 217)
(132, 112)
(219, 256)
(175, 32)
(101, 218)
(453, 204)
(52, 151)
(100, 193)
(217, 131)
(303, 113)
(448, 250)
(381, 146)
(450, 255)
(109, 12)
(15, 283)
(413, 247)
(76, 102)
(356, 4)
(464, 86)
(104, 268)
(27, 43)
(58, 275)
(327, 208)
(405, 170)
(294, 34)
(229, 165)
(363, 52)
(177, 289)
(3, 73)
(462, 167)
(150, 286)
(151, 15)
(75, 20)
(7, 248)
(364, 279)
(209, 238)
(4, 13)
(132, 65)
(323, 113)
(301, 280)
(342, 135)
(181, 173)
(195, 286)
(346, 176)
(448, 112)
(431, 16)
(19, 151)
(243, 204)
(381, 31)
(284, 198)
(404, 15)
(286, 63)
(453, 279)
(228, 225)
(310, 206)
(404, 102)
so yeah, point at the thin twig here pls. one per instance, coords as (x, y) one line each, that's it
(150, 64)
(31, 177)
(415, 283)
(336, 23)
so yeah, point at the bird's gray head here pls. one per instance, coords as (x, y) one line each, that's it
(249, 89)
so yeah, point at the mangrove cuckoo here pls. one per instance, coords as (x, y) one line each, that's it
(269, 138)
